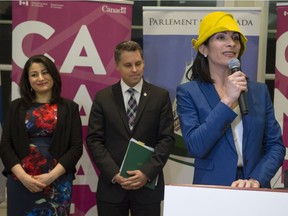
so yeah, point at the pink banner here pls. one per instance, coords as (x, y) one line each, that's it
(80, 37)
(281, 74)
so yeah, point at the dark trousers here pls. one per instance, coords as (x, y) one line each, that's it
(128, 205)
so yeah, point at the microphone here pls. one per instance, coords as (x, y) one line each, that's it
(234, 65)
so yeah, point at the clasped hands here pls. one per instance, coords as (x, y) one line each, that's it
(136, 180)
(246, 183)
(36, 183)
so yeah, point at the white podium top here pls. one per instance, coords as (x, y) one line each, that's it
(199, 200)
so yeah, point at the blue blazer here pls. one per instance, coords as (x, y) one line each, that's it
(206, 128)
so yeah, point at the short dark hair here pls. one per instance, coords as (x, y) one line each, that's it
(129, 46)
(25, 89)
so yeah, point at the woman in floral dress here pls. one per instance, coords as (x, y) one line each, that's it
(41, 143)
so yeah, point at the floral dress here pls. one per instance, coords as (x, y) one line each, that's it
(55, 199)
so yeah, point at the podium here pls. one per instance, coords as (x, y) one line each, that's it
(200, 200)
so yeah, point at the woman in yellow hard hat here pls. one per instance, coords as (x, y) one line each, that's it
(230, 147)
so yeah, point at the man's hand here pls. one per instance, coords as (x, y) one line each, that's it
(136, 180)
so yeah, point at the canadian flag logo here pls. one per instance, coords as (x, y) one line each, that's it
(26, 3)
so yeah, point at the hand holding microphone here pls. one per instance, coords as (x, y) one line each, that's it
(234, 65)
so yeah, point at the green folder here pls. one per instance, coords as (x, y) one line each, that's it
(136, 155)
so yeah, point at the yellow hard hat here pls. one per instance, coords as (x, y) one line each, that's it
(218, 22)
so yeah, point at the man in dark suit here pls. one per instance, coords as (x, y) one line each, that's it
(109, 133)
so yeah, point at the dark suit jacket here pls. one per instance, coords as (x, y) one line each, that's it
(109, 135)
(66, 145)
(206, 128)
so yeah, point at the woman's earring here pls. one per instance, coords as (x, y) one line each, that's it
(205, 55)
(31, 90)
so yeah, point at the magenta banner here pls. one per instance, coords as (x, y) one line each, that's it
(281, 74)
(79, 36)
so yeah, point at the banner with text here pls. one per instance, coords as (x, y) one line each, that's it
(80, 37)
(168, 52)
(281, 74)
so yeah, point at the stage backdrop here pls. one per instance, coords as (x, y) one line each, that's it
(281, 73)
(79, 36)
(168, 52)
(2, 178)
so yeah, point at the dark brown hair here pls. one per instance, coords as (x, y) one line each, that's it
(26, 91)
(129, 46)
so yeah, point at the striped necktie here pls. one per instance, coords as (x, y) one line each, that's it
(131, 108)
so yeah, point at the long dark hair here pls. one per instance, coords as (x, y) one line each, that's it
(200, 68)
(27, 93)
